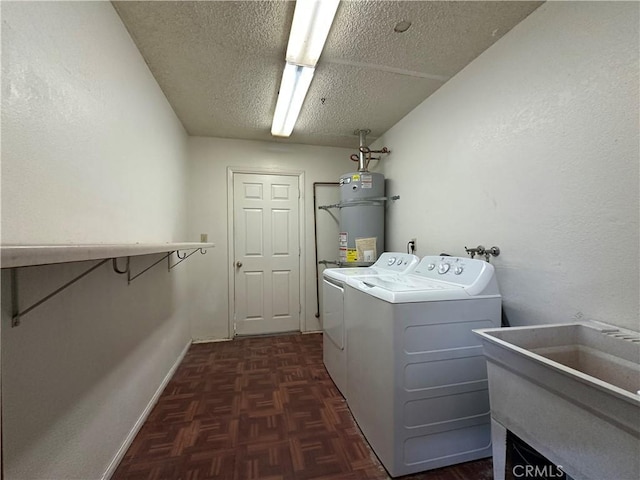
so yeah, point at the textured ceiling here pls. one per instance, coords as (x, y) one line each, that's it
(220, 62)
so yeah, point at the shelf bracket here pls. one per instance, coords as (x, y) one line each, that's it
(17, 314)
(184, 257)
(131, 278)
(127, 270)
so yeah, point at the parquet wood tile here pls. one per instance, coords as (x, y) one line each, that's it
(261, 408)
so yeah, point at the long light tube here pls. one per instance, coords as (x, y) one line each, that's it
(312, 21)
(293, 89)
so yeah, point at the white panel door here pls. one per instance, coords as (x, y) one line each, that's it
(267, 253)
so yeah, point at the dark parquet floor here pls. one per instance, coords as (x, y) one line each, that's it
(259, 408)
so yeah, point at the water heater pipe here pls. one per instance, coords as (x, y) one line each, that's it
(362, 162)
(315, 228)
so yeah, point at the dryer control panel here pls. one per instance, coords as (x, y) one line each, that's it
(396, 262)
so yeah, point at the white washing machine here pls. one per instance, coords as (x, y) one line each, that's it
(417, 375)
(333, 327)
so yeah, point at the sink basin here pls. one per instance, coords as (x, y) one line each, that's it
(571, 392)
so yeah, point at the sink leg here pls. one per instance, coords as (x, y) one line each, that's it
(499, 449)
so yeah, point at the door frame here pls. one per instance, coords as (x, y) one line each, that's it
(231, 171)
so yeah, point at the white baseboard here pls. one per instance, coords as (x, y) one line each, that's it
(211, 340)
(143, 417)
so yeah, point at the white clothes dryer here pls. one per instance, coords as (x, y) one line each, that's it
(417, 375)
(333, 339)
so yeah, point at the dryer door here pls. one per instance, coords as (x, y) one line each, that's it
(333, 313)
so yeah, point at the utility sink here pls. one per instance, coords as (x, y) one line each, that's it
(571, 391)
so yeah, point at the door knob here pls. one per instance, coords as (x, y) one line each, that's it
(238, 264)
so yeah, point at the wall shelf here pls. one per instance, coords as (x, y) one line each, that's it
(13, 256)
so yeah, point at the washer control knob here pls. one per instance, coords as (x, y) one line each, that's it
(458, 270)
(431, 266)
(443, 268)
(391, 261)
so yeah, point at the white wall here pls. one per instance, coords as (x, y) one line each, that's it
(534, 148)
(91, 153)
(208, 162)
(103, 168)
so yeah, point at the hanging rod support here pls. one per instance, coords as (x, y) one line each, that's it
(185, 256)
(118, 271)
(17, 314)
(132, 278)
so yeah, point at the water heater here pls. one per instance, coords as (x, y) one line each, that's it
(362, 201)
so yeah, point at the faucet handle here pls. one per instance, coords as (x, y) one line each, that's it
(480, 250)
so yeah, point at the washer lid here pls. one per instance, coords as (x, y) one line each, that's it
(405, 283)
(413, 291)
(389, 263)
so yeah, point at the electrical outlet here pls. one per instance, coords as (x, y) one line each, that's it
(411, 246)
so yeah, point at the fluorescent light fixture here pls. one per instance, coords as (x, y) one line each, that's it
(293, 88)
(312, 20)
